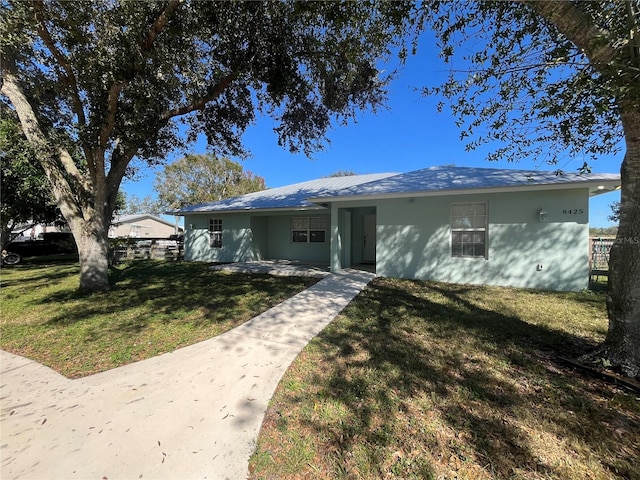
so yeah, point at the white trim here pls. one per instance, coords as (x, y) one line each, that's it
(215, 236)
(313, 208)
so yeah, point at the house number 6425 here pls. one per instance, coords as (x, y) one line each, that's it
(573, 211)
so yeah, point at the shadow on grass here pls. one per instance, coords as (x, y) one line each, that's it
(152, 307)
(39, 272)
(399, 354)
(170, 291)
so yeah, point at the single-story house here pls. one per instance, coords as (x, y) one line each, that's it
(452, 224)
(142, 225)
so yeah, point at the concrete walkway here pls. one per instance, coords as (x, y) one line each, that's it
(194, 413)
(276, 267)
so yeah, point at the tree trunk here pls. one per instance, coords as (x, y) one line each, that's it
(93, 248)
(77, 195)
(622, 345)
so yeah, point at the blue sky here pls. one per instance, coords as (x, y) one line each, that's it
(409, 135)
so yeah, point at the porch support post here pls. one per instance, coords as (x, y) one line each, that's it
(336, 240)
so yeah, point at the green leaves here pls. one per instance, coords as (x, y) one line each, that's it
(525, 79)
(26, 196)
(197, 179)
(122, 72)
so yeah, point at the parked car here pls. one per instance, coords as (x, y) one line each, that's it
(51, 243)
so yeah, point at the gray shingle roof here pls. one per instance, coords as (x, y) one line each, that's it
(309, 195)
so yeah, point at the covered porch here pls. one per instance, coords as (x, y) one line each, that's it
(353, 237)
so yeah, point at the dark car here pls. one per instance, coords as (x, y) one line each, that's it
(51, 243)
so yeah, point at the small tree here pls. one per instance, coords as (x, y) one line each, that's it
(196, 179)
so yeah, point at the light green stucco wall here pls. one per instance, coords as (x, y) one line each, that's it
(413, 240)
(237, 239)
(281, 246)
(260, 233)
(247, 237)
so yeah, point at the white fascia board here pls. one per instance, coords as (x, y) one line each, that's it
(592, 185)
(259, 210)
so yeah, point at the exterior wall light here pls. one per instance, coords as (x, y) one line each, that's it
(542, 215)
(191, 226)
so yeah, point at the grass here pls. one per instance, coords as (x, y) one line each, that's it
(419, 380)
(152, 308)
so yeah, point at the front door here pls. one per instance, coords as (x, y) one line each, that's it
(369, 239)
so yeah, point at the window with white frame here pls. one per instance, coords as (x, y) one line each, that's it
(215, 232)
(469, 230)
(308, 229)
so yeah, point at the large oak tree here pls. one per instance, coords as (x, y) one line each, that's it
(552, 80)
(117, 81)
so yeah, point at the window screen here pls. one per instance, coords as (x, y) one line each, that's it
(308, 229)
(469, 230)
(215, 232)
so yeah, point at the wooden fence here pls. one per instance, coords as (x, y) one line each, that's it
(599, 251)
(148, 248)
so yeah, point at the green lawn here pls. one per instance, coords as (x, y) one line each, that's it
(153, 307)
(419, 380)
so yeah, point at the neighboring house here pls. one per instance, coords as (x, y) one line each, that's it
(451, 224)
(141, 226)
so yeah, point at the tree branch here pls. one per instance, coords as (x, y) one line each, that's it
(68, 75)
(45, 153)
(71, 82)
(199, 103)
(159, 24)
(120, 158)
(112, 110)
(574, 24)
(116, 88)
(634, 33)
(524, 68)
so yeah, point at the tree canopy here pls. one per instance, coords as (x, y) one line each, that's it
(132, 204)
(342, 173)
(543, 82)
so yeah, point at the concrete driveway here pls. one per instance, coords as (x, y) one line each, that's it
(192, 413)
